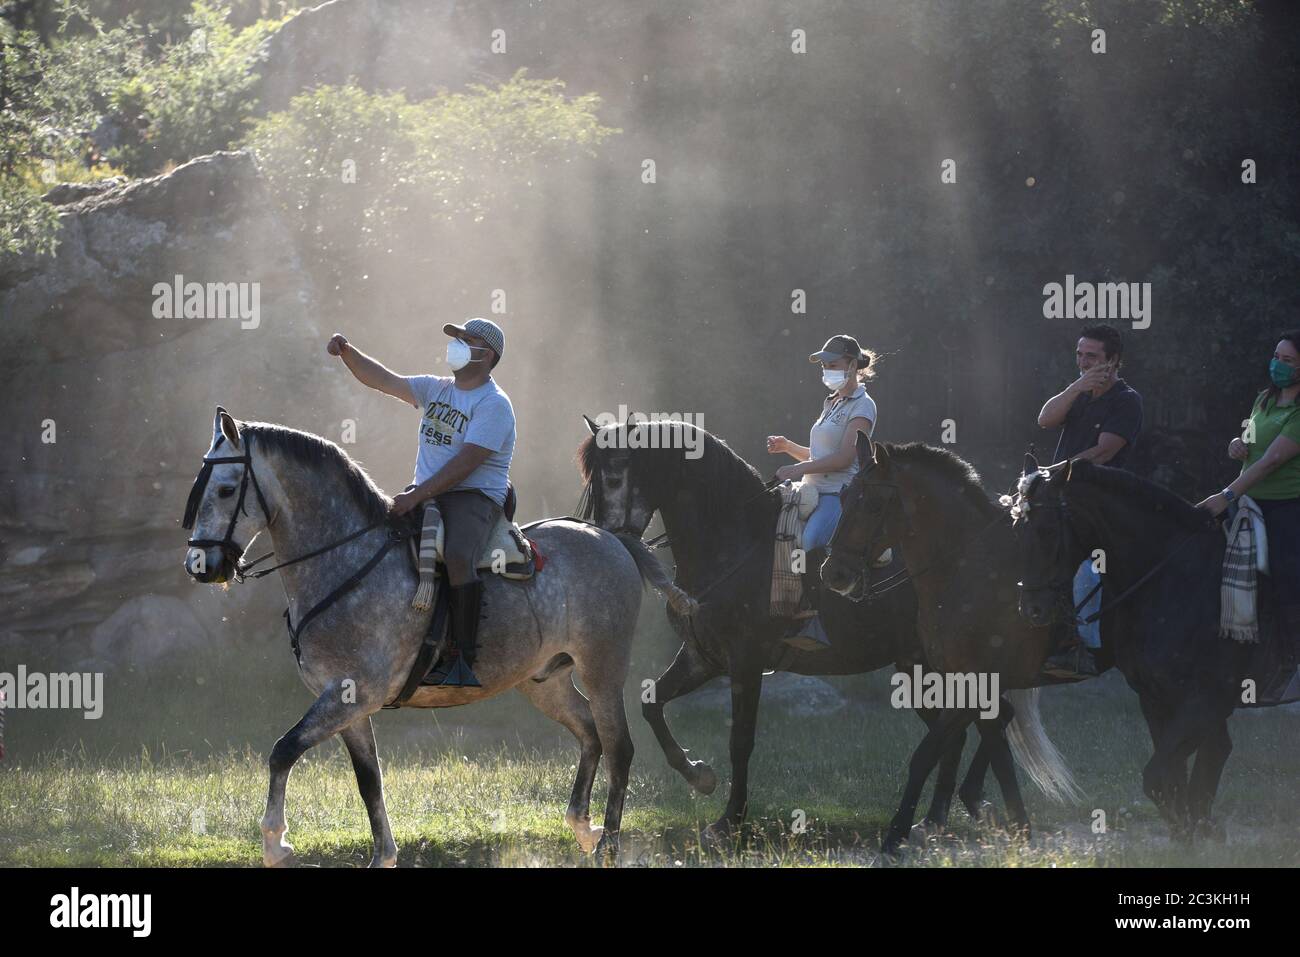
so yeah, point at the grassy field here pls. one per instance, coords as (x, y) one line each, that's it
(174, 774)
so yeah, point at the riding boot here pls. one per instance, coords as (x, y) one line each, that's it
(811, 635)
(455, 668)
(1073, 660)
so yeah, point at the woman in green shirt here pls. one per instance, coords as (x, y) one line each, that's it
(1270, 473)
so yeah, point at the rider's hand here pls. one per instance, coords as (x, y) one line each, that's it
(1215, 504)
(336, 344)
(404, 502)
(1237, 449)
(776, 444)
(789, 473)
(1098, 377)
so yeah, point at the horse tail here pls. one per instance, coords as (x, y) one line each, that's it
(1035, 752)
(652, 573)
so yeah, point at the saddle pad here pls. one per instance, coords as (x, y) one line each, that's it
(1238, 611)
(508, 552)
(798, 500)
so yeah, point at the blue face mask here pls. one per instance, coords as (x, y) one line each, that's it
(1282, 374)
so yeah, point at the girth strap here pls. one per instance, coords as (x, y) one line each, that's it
(424, 657)
(394, 536)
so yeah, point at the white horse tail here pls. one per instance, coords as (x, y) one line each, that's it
(1035, 752)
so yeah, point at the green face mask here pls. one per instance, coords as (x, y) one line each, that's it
(1282, 374)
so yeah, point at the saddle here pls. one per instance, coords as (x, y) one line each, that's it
(508, 552)
(798, 502)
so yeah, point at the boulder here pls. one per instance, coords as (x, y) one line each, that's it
(108, 407)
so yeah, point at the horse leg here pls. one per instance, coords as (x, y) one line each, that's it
(604, 678)
(558, 699)
(972, 786)
(359, 737)
(746, 688)
(993, 738)
(1153, 773)
(327, 716)
(947, 726)
(687, 672)
(941, 801)
(1191, 730)
(1204, 784)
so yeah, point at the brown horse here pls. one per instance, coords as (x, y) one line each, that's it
(961, 556)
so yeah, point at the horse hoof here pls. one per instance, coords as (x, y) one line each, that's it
(702, 778)
(281, 856)
(925, 832)
(891, 847)
(606, 852)
(1212, 830)
(977, 808)
(388, 860)
(589, 838)
(718, 834)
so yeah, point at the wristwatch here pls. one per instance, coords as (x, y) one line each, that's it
(1228, 495)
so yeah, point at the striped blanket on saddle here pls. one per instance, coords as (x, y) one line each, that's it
(1245, 556)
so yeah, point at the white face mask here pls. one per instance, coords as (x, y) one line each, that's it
(459, 355)
(834, 379)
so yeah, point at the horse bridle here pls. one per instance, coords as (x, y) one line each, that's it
(227, 544)
(1062, 587)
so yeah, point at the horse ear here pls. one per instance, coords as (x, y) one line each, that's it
(1031, 464)
(865, 456)
(228, 426)
(590, 424)
(882, 459)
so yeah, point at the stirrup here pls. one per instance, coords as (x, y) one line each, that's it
(1075, 663)
(811, 637)
(457, 674)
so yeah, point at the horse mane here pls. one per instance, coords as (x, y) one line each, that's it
(947, 463)
(1139, 490)
(317, 454)
(718, 470)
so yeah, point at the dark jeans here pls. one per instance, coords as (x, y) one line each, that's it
(1282, 525)
(468, 518)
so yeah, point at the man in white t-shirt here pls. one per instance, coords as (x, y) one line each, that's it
(467, 438)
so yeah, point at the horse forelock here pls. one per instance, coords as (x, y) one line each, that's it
(317, 454)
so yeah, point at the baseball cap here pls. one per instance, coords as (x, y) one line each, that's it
(485, 329)
(841, 347)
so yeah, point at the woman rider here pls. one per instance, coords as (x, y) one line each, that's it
(1270, 472)
(829, 461)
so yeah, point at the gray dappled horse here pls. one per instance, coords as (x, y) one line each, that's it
(574, 618)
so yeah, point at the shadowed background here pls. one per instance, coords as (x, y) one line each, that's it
(774, 171)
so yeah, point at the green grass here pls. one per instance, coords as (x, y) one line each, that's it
(488, 785)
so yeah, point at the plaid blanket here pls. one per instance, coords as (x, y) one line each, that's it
(1241, 561)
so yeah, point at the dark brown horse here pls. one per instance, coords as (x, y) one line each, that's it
(721, 520)
(961, 556)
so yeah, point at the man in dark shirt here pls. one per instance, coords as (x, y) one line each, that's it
(1100, 417)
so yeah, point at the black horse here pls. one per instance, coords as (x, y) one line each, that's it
(720, 520)
(1160, 617)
